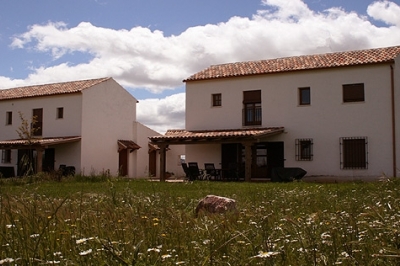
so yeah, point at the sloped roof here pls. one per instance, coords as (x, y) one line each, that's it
(295, 63)
(37, 142)
(49, 89)
(185, 136)
(127, 145)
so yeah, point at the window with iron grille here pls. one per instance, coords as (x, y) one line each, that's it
(6, 156)
(354, 153)
(304, 149)
(353, 92)
(252, 108)
(217, 99)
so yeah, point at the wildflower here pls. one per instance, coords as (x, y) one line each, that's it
(154, 249)
(86, 252)
(6, 260)
(180, 262)
(83, 240)
(34, 235)
(266, 254)
(10, 226)
(325, 235)
(165, 256)
(53, 262)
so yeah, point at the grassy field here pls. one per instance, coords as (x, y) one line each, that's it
(110, 221)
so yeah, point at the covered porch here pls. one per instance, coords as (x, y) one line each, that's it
(247, 139)
(37, 146)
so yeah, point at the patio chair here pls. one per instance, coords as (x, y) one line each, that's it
(194, 172)
(211, 172)
(186, 170)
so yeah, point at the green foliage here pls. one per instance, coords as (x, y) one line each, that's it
(116, 221)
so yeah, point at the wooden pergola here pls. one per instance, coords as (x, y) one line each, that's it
(38, 144)
(247, 137)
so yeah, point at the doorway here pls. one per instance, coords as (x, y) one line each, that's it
(123, 162)
(265, 157)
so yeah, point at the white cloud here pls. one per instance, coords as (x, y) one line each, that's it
(385, 11)
(141, 58)
(163, 114)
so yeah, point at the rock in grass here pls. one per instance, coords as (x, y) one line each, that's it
(216, 204)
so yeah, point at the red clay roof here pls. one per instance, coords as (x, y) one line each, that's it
(49, 89)
(196, 135)
(319, 61)
(39, 141)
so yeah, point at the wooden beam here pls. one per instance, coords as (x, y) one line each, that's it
(248, 160)
(163, 161)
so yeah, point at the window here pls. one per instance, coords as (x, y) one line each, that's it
(6, 156)
(216, 99)
(353, 93)
(304, 149)
(304, 96)
(252, 108)
(8, 118)
(37, 127)
(354, 153)
(60, 112)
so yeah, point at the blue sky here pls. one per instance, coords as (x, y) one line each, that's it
(150, 46)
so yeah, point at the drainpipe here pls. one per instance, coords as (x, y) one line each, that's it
(393, 120)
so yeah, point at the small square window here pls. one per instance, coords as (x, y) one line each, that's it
(60, 112)
(8, 118)
(353, 93)
(304, 149)
(304, 96)
(6, 156)
(216, 99)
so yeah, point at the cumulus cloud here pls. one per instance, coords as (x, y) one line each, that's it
(161, 114)
(142, 58)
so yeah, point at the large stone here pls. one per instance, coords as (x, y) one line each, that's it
(216, 204)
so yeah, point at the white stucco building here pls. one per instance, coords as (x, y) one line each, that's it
(335, 114)
(88, 124)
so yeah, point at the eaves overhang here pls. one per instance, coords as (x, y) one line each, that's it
(36, 142)
(215, 136)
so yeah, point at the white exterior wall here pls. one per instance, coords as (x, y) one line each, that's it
(396, 77)
(142, 155)
(108, 112)
(325, 120)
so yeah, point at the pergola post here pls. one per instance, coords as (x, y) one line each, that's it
(39, 159)
(248, 161)
(163, 161)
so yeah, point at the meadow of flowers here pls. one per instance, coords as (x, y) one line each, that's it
(126, 222)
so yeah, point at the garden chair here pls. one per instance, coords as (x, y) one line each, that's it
(211, 172)
(186, 170)
(194, 172)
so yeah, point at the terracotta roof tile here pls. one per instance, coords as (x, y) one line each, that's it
(184, 135)
(39, 141)
(329, 60)
(49, 89)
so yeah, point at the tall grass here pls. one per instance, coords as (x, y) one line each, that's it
(109, 221)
